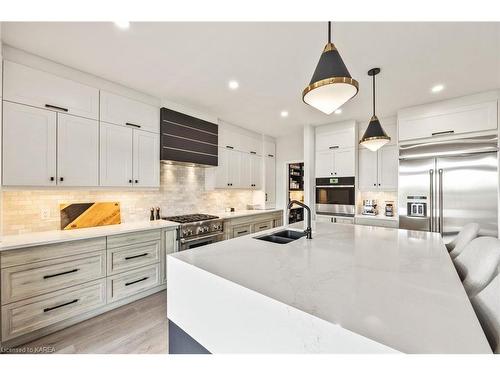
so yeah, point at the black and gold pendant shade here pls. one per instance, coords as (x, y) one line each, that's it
(375, 136)
(331, 84)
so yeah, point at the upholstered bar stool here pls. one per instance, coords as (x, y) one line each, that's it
(487, 306)
(478, 263)
(464, 237)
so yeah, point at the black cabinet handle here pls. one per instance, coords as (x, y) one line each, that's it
(136, 256)
(265, 226)
(56, 107)
(61, 273)
(270, 155)
(136, 181)
(136, 281)
(134, 125)
(445, 132)
(52, 179)
(374, 184)
(253, 152)
(230, 147)
(61, 178)
(243, 231)
(333, 147)
(129, 181)
(61, 305)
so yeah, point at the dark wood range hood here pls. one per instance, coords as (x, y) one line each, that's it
(188, 140)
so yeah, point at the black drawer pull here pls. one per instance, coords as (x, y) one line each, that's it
(445, 132)
(134, 125)
(243, 231)
(253, 152)
(136, 256)
(230, 147)
(264, 227)
(270, 155)
(61, 273)
(136, 281)
(61, 305)
(56, 107)
(333, 147)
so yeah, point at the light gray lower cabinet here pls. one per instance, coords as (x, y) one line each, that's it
(50, 287)
(242, 226)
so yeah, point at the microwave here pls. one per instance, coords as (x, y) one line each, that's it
(335, 196)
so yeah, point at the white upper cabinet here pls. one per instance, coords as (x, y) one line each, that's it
(255, 172)
(388, 167)
(146, 163)
(77, 151)
(470, 114)
(378, 170)
(29, 146)
(116, 145)
(235, 138)
(270, 179)
(44, 90)
(269, 148)
(228, 174)
(119, 110)
(335, 150)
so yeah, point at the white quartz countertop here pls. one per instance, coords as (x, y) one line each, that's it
(396, 287)
(55, 236)
(241, 213)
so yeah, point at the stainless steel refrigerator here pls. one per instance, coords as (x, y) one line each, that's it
(445, 185)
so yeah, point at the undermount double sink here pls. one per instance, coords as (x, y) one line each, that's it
(282, 237)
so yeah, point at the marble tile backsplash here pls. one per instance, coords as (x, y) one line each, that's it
(182, 191)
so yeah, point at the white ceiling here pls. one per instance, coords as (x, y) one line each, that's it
(191, 63)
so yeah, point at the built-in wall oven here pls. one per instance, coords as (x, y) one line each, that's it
(335, 196)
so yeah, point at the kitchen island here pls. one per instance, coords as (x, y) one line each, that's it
(351, 289)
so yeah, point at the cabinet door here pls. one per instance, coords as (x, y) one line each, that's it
(388, 168)
(146, 165)
(269, 148)
(117, 109)
(77, 151)
(256, 168)
(324, 163)
(270, 179)
(245, 175)
(222, 170)
(234, 168)
(44, 90)
(324, 219)
(29, 146)
(344, 162)
(367, 169)
(116, 155)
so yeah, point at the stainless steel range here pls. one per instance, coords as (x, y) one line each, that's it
(197, 230)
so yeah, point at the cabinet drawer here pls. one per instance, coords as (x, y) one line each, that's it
(129, 257)
(38, 278)
(133, 238)
(132, 282)
(35, 313)
(44, 90)
(39, 253)
(262, 225)
(377, 222)
(242, 230)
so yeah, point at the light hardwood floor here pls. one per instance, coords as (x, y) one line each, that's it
(139, 327)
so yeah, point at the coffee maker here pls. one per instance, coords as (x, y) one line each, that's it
(389, 208)
(370, 207)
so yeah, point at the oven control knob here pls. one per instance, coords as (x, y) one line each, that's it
(189, 232)
(216, 227)
(199, 230)
(206, 229)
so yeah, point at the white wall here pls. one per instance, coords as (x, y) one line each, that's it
(289, 148)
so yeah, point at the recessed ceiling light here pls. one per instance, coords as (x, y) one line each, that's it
(338, 111)
(284, 113)
(122, 24)
(233, 85)
(437, 88)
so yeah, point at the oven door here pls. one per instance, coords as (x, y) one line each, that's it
(337, 199)
(191, 243)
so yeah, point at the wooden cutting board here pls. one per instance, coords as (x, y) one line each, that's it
(85, 215)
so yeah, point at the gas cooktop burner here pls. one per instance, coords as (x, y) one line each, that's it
(190, 218)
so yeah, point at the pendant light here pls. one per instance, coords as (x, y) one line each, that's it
(375, 136)
(331, 84)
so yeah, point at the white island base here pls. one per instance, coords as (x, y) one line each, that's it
(351, 289)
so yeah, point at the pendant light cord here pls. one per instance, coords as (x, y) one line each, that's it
(329, 31)
(374, 95)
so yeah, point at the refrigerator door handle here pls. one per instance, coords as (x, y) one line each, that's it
(441, 216)
(431, 200)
